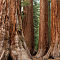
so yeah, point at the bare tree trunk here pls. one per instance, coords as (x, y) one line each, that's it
(11, 41)
(55, 25)
(18, 46)
(28, 29)
(43, 29)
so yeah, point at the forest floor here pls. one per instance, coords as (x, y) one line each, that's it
(45, 59)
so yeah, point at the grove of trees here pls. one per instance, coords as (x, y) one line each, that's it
(29, 29)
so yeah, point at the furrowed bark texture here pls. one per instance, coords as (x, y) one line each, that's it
(18, 46)
(12, 44)
(3, 47)
(19, 13)
(54, 49)
(43, 28)
(28, 29)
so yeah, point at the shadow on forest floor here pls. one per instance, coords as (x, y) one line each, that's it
(9, 57)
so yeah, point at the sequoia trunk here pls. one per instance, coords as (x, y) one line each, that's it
(28, 28)
(55, 30)
(12, 45)
(43, 28)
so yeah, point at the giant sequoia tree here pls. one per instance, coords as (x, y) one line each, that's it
(43, 28)
(28, 28)
(12, 43)
(55, 29)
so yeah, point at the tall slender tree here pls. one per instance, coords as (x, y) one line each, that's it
(28, 28)
(43, 28)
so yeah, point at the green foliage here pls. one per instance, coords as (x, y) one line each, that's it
(36, 15)
(25, 3)
(49, 0)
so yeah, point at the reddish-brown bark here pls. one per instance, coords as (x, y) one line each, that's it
(28, 29)
(55, 25)
(43, 28)
(11, 41)
(19, 13)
